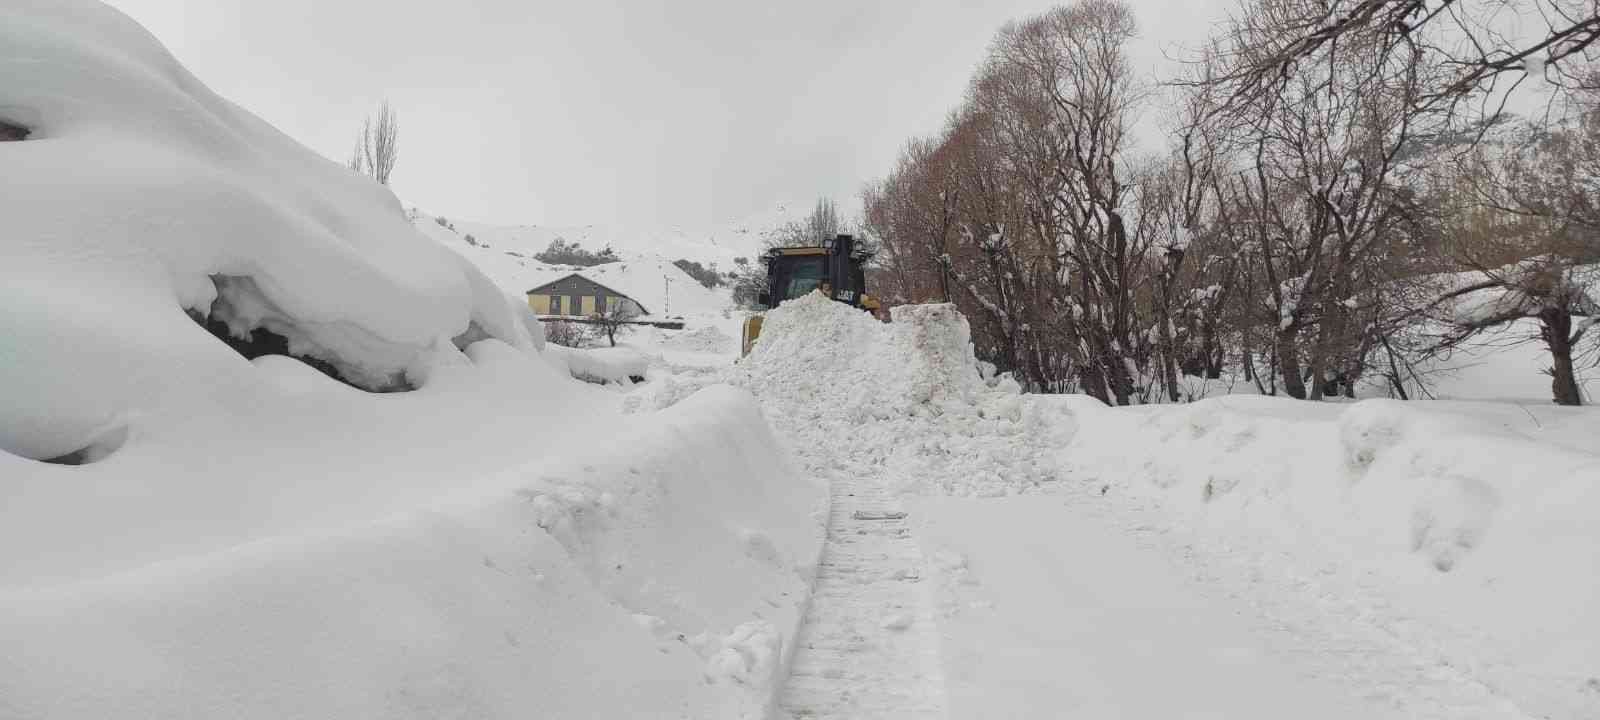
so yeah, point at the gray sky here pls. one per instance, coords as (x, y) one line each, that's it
(646, 114)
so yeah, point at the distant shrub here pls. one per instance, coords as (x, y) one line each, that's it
(568, 334)
(560, 252)
(707, 276)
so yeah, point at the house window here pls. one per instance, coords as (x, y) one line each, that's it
(555, 304)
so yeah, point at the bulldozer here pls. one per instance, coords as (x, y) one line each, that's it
(837, 269)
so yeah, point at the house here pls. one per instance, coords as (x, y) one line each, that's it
(9, 132)
(576, 296)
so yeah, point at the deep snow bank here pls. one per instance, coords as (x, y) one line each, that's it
(140, 194)
(662, 581)
(257, 540)
(1462, 537)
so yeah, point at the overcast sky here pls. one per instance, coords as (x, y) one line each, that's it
(645, 113)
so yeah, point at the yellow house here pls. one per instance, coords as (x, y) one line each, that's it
(576, 296)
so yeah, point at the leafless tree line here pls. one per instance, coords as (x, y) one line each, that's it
(378, 145)
(1316, 223)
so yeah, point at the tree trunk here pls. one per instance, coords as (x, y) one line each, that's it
(1557, 331)
(1116, 374)
(1289, 364)
(1169, 364)
(1094, 383)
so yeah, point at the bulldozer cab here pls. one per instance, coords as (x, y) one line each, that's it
(837, 269)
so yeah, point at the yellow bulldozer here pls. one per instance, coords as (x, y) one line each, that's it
(837, 269)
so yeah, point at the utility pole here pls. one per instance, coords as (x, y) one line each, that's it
(666, 305)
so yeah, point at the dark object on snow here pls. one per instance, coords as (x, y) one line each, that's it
(12, 133)
(877, 515)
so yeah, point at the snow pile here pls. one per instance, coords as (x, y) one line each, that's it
(705, 339)
(610, 584)
(905, 398)
(251, 538)
(1463, 537)
(140, 195)
(604, 365)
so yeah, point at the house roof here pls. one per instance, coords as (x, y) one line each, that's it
(591, 281)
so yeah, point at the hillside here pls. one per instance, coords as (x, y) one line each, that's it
(716, 243)
(647, 275)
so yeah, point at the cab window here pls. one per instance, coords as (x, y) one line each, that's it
(804, 276)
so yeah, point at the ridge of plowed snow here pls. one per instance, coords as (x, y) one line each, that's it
(907, 398)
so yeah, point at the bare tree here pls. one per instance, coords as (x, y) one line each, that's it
(1470, 39)
(567, 333)
(1527, 228)
(822, 223)
(377, 147)
(1313, 189)
(1019, 212)
(358, 155)
(614, 317)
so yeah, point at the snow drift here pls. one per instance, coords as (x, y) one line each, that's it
(1449, 525)
(140, 195)
(663, 581)
(602, 365)
(244, 536)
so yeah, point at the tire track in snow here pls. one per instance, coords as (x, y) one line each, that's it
(869, 646)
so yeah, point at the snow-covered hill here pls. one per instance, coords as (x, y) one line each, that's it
(647, 275)
(716, 243)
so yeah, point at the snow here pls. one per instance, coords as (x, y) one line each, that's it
(992, 553)
(1442, 528)
(254, 539)
(106, 264)
(708, 339)
(904, 400)
(1505, 364)
(714, 242)
(513, 592)
(647, 276)
(1066, 612)
(600, 365)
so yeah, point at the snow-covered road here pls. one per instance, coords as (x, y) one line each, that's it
(1014, 590)
(1048, 611)
(1060, 606)
(869, 646)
